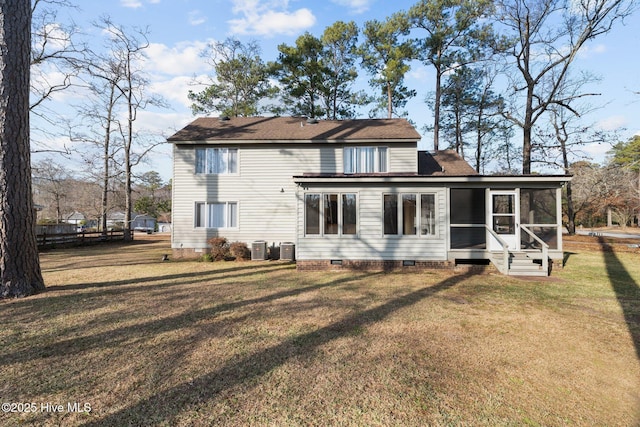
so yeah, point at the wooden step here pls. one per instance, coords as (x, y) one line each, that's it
(520, 264)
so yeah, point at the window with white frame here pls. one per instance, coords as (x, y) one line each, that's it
(365, 159)
(216, 215)
(409, 214)
(216, 161)
(330, 214)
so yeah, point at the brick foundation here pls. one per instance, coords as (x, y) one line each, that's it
(363, 265)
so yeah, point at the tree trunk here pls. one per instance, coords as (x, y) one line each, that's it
(479, 137)
(106, 158)
(20, 273)
(526, 132)
(436, 110)
(571, 215)
(127, 172)
(389, 101)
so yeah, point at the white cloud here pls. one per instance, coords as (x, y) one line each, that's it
(612, 123)
(133, 4)
(588, 51)
(596, 152)
(269, 18)
(175, 90)
(181, 59)
(196, 18)
(356, 6)
(419, 73)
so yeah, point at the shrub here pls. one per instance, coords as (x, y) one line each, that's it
(240, 251)
(205, 258)
(219, 248)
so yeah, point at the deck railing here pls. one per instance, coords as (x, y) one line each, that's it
(544, 247)
(505, 249)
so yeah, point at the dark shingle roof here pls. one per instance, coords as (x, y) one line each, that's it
(443, 163)
(294, 129)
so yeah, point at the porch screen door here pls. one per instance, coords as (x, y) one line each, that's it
(504, 207)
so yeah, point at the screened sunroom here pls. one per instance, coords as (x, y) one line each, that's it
(506, 223)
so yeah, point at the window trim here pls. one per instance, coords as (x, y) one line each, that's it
(206, 215)
(358, 160)
(340, 214)
(418, 215)
(205, 161)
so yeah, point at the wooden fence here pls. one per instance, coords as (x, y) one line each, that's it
(77, 239)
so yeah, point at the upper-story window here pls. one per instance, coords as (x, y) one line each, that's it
(365, 159)
(216, 161)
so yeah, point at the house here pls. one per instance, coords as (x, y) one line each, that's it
(76, 218)
(139, 222)
(356, 194)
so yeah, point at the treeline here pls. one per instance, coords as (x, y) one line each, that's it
(607, 194)
(503, 73)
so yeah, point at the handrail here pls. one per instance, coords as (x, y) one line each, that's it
(505, 249)
(545, 247)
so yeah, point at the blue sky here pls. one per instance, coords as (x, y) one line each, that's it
(180, 29)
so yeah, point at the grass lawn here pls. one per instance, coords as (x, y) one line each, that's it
(145, 342)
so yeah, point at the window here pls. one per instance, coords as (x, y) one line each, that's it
(365, 159)
(409, 210)
(336, 213)
(390, 214)
(312, 213)
(216, 161)
(427, 214)
(349, 214)
(407, 213)
(216, 215)
(330, 214)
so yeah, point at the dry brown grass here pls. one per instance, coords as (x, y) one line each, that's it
(147, 342)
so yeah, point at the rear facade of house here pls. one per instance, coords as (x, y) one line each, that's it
(354, 194)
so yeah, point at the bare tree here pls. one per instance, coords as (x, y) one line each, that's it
(57, 56)
(99, 124)
(589, 193)
(559, 143)
(548, 34)
(52, 185)
(126, 49)
(20, 273)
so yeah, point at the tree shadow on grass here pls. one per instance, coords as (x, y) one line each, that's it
(120, 336)
(198, 275)
(61, 294)
(155, 410)
(627, 291)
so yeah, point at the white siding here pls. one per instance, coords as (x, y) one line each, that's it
(263, 188)
(403, 158)
(370, 244)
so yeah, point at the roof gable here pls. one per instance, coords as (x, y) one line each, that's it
(295, 129)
